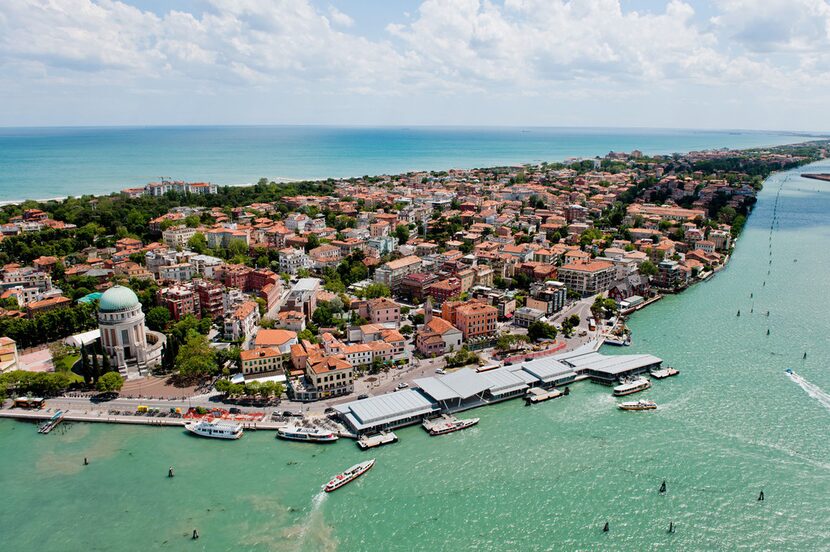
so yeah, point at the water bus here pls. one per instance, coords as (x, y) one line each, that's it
(349, 475)
(447, 424)
(308, 434)
(215, 430)
(635, 386)
(638, 405)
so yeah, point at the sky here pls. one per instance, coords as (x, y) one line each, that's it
(715, 64)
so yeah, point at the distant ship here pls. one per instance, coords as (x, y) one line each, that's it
(349, 475)
(215, 430)
(312, 435)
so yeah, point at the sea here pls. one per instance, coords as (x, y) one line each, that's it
(546, 477)
(45, 163)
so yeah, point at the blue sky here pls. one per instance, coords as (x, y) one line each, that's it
(755, 64)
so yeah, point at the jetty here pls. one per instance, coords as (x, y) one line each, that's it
(52, 422)
(537, 395)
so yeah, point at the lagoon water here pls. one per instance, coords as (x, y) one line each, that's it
(525, 478)
(39, 163)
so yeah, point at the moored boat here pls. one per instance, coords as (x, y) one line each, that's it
(448, 426)
(635, 386)
(619, 341)
(349, 475)
(664, 373)
(308, 434)
(215, 430)
(638, 405)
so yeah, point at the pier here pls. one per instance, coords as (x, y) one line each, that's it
(367, 442)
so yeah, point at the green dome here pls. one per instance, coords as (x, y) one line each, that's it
(117, 298)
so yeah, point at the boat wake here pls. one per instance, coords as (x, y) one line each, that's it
(811, 389)
(311, 533)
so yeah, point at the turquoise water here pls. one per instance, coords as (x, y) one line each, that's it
(525, 478)
(55, 162)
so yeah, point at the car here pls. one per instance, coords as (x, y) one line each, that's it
(234, 410)
(440, 371)
(403, 385)
(361, 397)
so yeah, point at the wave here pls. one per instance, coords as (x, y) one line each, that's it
(811, 389)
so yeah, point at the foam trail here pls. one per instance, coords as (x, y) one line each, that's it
(812, 389)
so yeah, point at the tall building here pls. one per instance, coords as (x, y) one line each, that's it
(130, 346)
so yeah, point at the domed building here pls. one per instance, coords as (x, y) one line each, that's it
(130, 346)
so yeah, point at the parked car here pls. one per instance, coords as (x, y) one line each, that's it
(403, 385)
(361, 397)
(440, 371)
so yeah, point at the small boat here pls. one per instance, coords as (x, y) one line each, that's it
(639, 384)
(618, 341)
(349, 475)
(449, 426)
(664, 373)
(215, 430)
(789, 371)
(642, 404)
(309, 434)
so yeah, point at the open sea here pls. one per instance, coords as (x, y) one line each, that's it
(545, 477)
(41, 163)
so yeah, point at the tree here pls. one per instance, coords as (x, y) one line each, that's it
(157, 318)
(648, 268)
(402, 233)
(406, 330)
(196, 358)
(85, 372)
(96, 370)
(110, 382)
(376, 289)
(540, 330)
(198, 243)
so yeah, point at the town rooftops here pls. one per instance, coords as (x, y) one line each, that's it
(403, 262)
(271, 338)
(590, 266)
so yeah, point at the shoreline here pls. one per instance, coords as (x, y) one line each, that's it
(798, 138)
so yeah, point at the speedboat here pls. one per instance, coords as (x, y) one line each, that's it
(789, 371)
(349, 475)
(310, 434)
(215, 430)
(639, 384)
(642, 404)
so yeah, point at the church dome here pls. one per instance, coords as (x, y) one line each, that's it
(117, 298)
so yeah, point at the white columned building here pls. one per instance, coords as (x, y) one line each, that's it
(130, 346)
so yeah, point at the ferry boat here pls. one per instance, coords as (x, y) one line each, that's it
(664, 373)
(638, 405)
(449, 426)
(309, 434)
(215, 430)
(349, 475)
(635, 386)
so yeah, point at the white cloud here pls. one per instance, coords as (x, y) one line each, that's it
(462, 48)
(340, 18)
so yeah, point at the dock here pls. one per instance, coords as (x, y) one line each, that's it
(366, 442)
(51, 423)
(537, 395)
